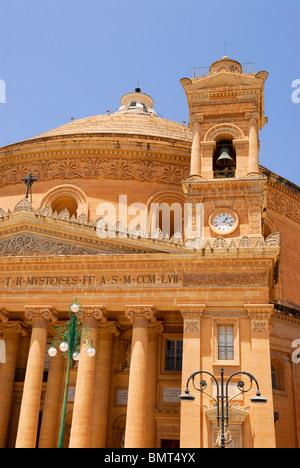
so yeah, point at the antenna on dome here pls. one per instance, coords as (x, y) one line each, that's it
(138, 89)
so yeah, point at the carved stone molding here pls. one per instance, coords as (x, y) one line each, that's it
(30, 245)
(283, 204)
(24, 205)
(226, 279)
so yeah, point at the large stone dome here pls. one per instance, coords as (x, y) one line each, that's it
(136, 116)
(121, 124)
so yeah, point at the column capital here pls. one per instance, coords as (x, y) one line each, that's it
(208, 146)
(96, 312)
(47, 313)
(191, 311)
(13, 328)
(252, 115)
(108, 328)
(140, 311)
(155, 329)
(260, 315)
(196, 119)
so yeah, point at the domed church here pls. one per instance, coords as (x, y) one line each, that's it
(149, 286)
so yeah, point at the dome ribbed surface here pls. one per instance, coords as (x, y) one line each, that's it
(142, 125)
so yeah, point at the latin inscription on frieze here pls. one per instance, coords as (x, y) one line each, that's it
(135, 280)
(90, 281)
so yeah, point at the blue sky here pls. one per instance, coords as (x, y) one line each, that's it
(75, 58)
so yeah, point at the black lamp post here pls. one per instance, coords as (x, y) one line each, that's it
(222, 395)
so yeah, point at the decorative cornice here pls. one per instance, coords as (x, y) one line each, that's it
(259, 311)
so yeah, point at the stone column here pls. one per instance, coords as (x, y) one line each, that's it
(207, 157)
(102, 389)
(253, 167)
(262, 415)
(137, 391)
(30, 407)
(190, 423)
(82, 412)
(10, 332)
(52, 404)
(153, 358)
(196, 148)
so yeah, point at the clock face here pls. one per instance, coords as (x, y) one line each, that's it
(223, 222)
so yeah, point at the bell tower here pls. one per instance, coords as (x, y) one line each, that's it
(226, 108)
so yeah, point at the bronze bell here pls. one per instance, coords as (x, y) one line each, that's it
(224, 159)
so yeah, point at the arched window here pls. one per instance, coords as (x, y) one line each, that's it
(278, 375)
(166, 213)
(66, 197)
(65, 202)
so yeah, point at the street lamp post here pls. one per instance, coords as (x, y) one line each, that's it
(68, 339)
(222, 398)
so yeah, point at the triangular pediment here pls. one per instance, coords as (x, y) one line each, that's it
(28, 233)
(224, 79)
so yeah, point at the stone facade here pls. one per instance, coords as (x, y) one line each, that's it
(157, 304)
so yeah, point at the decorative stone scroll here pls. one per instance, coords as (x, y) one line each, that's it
(32, 245)
(110, 328)
(13, 328)
(41, 315)
(97, 312)
(136, 312)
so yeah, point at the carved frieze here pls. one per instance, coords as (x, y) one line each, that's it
(226, 279)
(32, 245)
(283, 204)
(97, 168)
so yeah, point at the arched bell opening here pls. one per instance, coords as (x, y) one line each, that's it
(224, 160)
